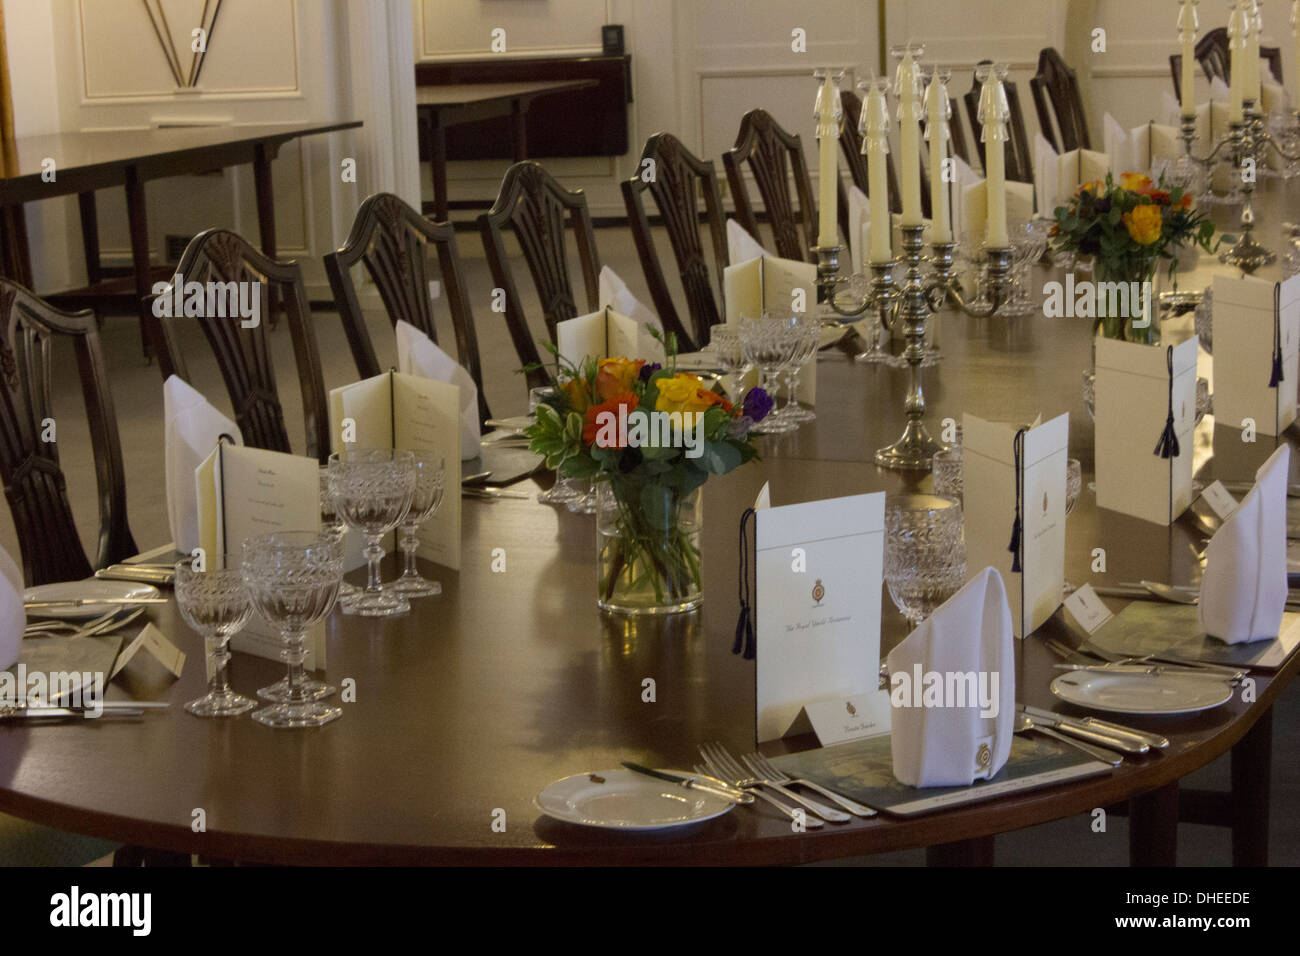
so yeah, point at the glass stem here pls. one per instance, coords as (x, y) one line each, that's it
(409, 543)
(294, 655)
(218, 686)
(374, 553)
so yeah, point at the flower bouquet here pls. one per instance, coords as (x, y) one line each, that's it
(1127, 229)
(650, 437)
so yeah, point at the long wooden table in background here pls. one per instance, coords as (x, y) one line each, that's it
(86, 162)
(508, 681)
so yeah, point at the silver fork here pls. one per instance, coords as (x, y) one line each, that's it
(76, 629)
(708, 769)
(767, 771)
(718, 754)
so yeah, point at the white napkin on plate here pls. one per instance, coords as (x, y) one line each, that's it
(614, 294)
(418, 355)
(1244, 590)
(12, 615)
(192, 427)
(952, 746)
(741, 246)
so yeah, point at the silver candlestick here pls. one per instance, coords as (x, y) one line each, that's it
(910, 304)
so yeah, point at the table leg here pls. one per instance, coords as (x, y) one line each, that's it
(438, 165)
(137, 220)
(90, 236)
(974, 852)
(519, 130)
(1153, 827)
(262, 157)
(1251, 773)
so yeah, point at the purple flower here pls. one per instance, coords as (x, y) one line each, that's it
(757, 404)
(648, 370)
(1103, 204)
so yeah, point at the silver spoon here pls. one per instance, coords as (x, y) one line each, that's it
(1025, 724)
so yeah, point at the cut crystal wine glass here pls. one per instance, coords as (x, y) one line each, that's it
(925, 553)
(430, 483)
(372, 489)
(214, 602)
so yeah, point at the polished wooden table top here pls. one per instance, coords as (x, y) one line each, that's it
(511, 680)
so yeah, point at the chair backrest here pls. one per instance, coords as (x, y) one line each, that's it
(534, 207)
(681, 179)
(1019, 164)
(773, 157)
(1055, 88)
(29, 456)
(391, 239)
(215, 259)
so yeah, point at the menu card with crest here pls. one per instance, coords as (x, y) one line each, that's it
(1256, 352)
(1013, 499)
(606, 334)
(818, 573)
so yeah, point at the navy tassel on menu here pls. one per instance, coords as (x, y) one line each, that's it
(1167, 446)
(1275, 378)
(745, 641)
(1018, 450)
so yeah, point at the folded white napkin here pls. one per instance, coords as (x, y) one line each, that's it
(191, 430)
(741, 246)
(12, 615)
(967, 643)
(975, 212)
(418, 355)
(614, 294)
(1244, 590)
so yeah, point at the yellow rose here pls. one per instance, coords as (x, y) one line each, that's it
(1144, 224)
(681, 393)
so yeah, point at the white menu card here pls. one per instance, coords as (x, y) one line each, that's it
(1132, 406)
(606, 334)
(1248, 314)
(818, 572)
(244, 492)
(765, 282)
(407, 412)
(989, 464)
(1058, 177)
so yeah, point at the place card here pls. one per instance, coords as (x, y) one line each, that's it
(1134, 388)
(1219, 500)
(408, 412)
(1087, 609)
(243, 492)
(782, 285)
(989, 499)
(606, 334)
(153, 644)
(1259, 325)
(818, 573)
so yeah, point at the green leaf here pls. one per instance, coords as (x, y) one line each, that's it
(720, 457)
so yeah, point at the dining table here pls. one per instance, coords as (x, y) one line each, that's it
(459, 713)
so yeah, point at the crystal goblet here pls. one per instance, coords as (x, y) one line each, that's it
(372, 489)
(925, 553)
(430, 482)
(292, 579)
(213, 602)
(767, 345)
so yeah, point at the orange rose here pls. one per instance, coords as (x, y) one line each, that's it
(596, 420)
(1186, 201)
(616, 376)
(1135, 183)
(1144, 224)
(1159, 196)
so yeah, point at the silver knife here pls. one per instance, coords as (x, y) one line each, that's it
(23, 713)
(131, 572)
(1105, 726)
(93, 602)
(692, 783)
(1093, 735)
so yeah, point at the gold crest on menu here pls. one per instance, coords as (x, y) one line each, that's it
(853, 711)
(984, 757)
(818, 591)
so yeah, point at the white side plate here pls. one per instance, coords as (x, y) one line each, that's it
(628, 801)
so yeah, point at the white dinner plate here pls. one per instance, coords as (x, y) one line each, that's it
(1142, 693)
(625, 800)
(89, 588)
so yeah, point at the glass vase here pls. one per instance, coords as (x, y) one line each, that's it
(647, 548)
(1126, 304)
